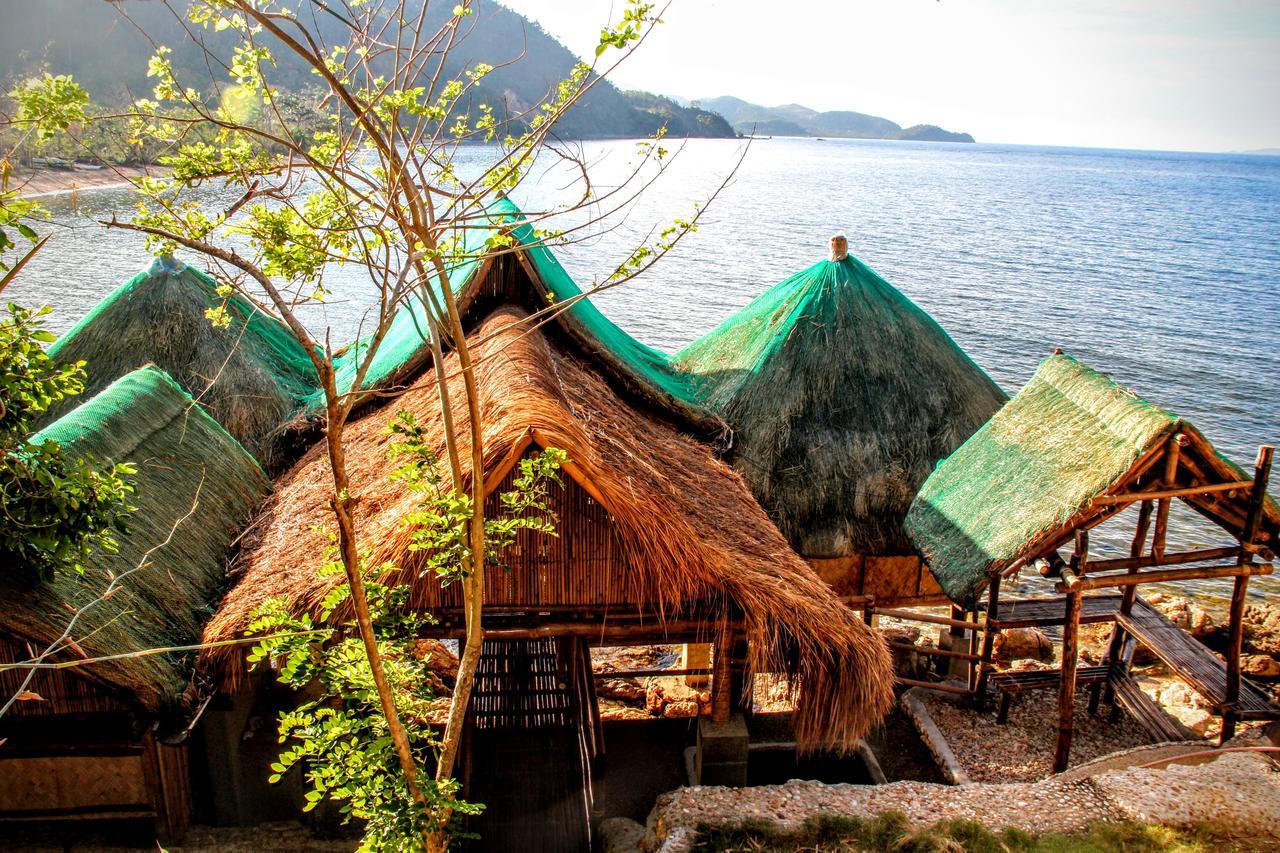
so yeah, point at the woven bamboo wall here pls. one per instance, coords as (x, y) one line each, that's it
(60, 691)
(585, 565)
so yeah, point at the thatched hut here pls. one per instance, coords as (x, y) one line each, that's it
(251, 375)
(87, 743)
(658, 540)
(1071, 451)
(842, 396)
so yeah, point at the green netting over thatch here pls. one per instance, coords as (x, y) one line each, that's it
(404, 350)
(1063, 440)
(842, 395)
(647, 370)
(251, 376)
(184, 458)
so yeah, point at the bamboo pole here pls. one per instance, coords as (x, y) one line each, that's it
(1235, 643)
(934, 685)
(1067, 687)
(1116, 644)
(911, 616)
(1170, 481)
(1140, 561)
(988, 643)
(1187, 492)
(721, 677)
(1078, 584)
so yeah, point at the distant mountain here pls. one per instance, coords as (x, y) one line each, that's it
(91, 40)
(798, 120)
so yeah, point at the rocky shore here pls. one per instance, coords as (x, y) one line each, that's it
(31, 183)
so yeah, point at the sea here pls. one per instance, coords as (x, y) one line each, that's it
(1161, 269)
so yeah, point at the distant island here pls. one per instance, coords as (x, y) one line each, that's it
(798, 120)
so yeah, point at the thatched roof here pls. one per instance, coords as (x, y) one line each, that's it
(1030, 473)
(251, 376)
(183, 458)
(842, 395)
(690, 530)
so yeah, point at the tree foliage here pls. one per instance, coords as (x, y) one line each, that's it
(55, 509)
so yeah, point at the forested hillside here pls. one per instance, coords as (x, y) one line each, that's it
(99, 43)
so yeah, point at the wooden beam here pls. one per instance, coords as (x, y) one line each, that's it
(649, 673)
(1235, 634)
(1146, 561)
(1186, 492)
(1258, 497)
(931, 650)
(1162, 576)
(722, 677)
(988, 644)
(935, 685)
(911, 616)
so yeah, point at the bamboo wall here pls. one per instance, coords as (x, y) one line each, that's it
(584, 566)
(60, 691)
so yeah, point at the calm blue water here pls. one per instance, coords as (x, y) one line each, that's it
(1162, 269)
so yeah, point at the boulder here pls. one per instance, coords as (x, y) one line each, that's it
(1023, 644)
(1262, 628)
(1260, 666)
(1190, 617)
(624, 689)
(440, 660)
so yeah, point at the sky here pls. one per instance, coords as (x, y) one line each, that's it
(1161, 74)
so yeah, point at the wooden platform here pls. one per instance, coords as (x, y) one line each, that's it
(1146, 711)
(1194, 663)
(1010, 684)
(1039, 612)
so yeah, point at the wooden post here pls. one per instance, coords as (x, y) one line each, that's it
(1170, 481)
(1235, 643)
(988, 644)
(1127, 598)
(1067, 689)
(721, 677)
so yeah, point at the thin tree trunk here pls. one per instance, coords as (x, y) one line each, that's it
(350, 555)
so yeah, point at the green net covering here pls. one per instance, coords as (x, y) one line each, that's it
(196, 487)
(842, 395)
(252, 376)
(1064, 439)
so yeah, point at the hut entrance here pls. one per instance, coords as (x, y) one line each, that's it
(532, 741)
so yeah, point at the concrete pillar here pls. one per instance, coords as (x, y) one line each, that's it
(722, 752)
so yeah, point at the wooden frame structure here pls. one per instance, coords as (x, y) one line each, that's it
(1237, 506)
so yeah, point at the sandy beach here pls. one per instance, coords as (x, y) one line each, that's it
(31, 183)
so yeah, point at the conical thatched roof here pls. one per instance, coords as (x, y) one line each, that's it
(842, 396)
(183, 459)
(687, 529)
(1032, 471)
(251, 376)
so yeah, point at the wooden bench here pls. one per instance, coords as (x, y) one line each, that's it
(1042, 612)
(1012, 683)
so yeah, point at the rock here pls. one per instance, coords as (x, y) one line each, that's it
(654, 700)
(1262, 628)
(625, 689)
(1184, 703)
(1189, 617)
(1023, 643)
(681, 708)
(620, 835)
(1260, 666)
(439, 659)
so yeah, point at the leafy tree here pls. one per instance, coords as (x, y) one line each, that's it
(55, 509)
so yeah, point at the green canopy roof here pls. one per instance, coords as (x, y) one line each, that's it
(842, 395)
(196, 487)
(1066, 438)
(251, 376)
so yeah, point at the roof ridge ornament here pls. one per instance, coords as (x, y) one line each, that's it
(839, 247)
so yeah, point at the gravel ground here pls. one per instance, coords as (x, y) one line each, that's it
(1238, 794)
(1022, 749)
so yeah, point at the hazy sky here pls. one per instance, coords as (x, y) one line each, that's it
(1171, 74)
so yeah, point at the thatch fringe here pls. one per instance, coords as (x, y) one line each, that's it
(251, 376)
(184, 460)
(690, 529)
(842, 395)
(1070, 435)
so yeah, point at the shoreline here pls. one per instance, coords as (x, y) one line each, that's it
(35, 183)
